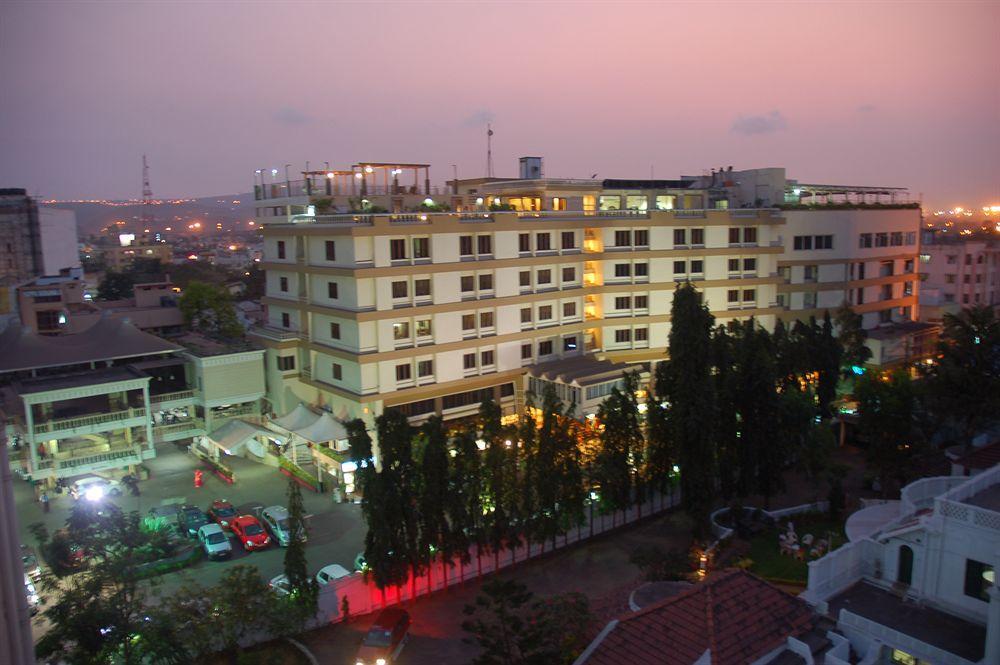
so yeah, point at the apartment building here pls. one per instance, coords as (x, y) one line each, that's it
(101, 400)
(429, 311)
(957, 270)
(121, 257)
(916, 582)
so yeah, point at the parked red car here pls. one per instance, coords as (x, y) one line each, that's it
(222, 513)
(250, 533)
(385, 639)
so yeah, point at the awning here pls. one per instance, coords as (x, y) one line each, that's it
(299, 418)
(326, 428)
(235, 435)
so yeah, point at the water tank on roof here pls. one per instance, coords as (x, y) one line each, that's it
(531, 168)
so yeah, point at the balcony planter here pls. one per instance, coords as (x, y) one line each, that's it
(299, 475)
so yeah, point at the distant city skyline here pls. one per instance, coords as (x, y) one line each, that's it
(888, 94)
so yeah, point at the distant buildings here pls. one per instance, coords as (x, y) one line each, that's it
(119, 258)
(958, 270)
(392, 303)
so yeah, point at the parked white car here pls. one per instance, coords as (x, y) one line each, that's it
(215, 541)
(94, 488)
(280, 585)
(330, 573)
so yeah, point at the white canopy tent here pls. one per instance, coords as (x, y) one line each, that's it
(298, 418)
(326, 428)
(236, 435)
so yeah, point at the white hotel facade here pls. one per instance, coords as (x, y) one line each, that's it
(564, 280)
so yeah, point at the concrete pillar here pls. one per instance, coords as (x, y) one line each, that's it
(149, 416)
(993, 626)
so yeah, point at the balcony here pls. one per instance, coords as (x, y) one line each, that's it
(179, 396)
(181, 430)
(91, 422)
(275, 333)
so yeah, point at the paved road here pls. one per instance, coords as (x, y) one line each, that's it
(336, 531)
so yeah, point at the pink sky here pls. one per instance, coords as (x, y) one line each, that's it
(890, 93)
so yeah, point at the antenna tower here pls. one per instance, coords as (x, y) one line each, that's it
(147, 197)
(489, 150)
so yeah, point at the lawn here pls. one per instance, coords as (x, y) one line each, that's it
(769, 563)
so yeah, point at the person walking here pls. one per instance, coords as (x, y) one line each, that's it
(45, 501)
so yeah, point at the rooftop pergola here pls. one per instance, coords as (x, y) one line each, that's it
(364, 178)
(850, 193)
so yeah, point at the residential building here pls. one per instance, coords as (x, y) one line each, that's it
(733, 617)
(916, 581)
(60, 247)
(57, 305)
(428, 312)
(957, 270)
(118, 258)
(101, 400)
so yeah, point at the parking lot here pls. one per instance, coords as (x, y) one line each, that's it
(336, 531)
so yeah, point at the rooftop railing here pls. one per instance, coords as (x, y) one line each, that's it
(88, 421)
(171, 397)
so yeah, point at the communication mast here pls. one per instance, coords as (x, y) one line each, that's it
(147, 197)
(489, 150)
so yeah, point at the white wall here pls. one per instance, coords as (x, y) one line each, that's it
(59, 243)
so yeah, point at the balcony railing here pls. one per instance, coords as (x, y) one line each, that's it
(171, 397)
(192, 424)
(109, 456)
(88, 421)
(277, 334)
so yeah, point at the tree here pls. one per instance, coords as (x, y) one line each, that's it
(100, 613)
(963, 386)
(465, 501)
(115, 286)
(727, 427)
(209, 309)
(433, 496)
(502, 502)
(684, 381)
(886, 423)
(827, 360)
(618, 467)
(304, 596)
(514, 629)
(851, 334)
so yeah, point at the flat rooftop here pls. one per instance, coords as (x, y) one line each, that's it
(88, 378)
(989, 498)
(945, 631)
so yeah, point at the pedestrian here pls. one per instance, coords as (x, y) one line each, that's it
(45, 501)
(197, 477)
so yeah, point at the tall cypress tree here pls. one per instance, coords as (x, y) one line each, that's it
(828, 359)
(433, 490)
(305, 595)
(500, 501)
(727, 439)
(619, 463)
(465, 502)
(685, 382)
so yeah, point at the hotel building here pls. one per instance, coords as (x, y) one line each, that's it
(377, 298)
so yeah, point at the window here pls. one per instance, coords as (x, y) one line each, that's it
(861, 270)
(569, 309)
(978, 577)
(424, 328)
(809, 273)
(749, 265)
(468, 322)
(486, 358)
(881, 239)
(641, 302)
(397, 249)
(286, 320)
(733, 295)
(680, 236)
(749, 295)
(636, 203)
(399, 289)
(465, 245)
(524, 242)
(401, 330)
(803, 242)
(733, 265)
(623, 302)
(569, 343)
(734, 236)
(525, 351)
(281, 249)
(283, 284)
(622, 336)
(524, 278)
(569, 274)
(421, 248)
(911, 237)
(680, 267)
(609, 202)
(623, 270)
(486, 282)
(568, 240)
(467, 283)
(338, 371)
(865, 240)
(335, 330)
(623, 238)
(545, 348)
(484, 244)
(966, 278)
(545, 312)
(824, 242)
(469, 361)
(404, 372)
(641, 334)
(525, 315)
(697, 236)
(422, 287)
(331, 250)
(640, 238)
(951, 259)
(896, 239)
(544, 277)
(286, 363)
(665, 202)
(968, 259)
(543, 242)
(332, 290)
(641, 269)
(425, 367)
(950, 279)
(697, 267)
(908, 266)
(486, 319)
(750, 235)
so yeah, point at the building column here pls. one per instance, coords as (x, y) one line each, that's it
(149, 416)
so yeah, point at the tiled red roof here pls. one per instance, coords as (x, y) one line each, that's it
(986, 457)
(737, 616)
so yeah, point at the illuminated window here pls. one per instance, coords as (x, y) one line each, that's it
(665, 202)
(423, 328)
(401, 330)
(558, 203)
(636, 203)
(468, 322)
(610, 202)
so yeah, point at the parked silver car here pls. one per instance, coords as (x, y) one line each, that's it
(215, 541)
(275, 520)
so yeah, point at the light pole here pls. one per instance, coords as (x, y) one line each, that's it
(288, 182)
